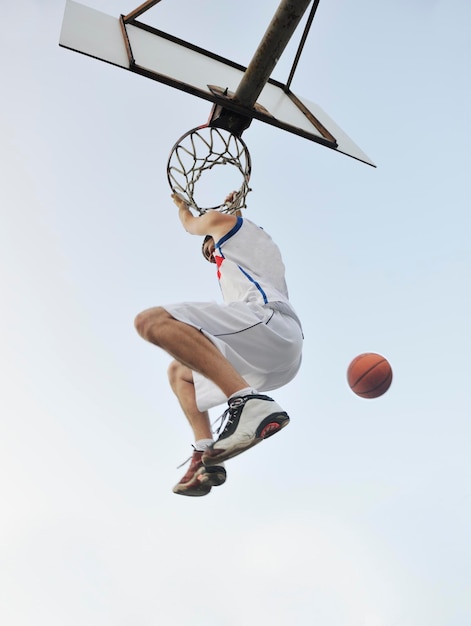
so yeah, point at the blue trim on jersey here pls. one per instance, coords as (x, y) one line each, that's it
(262, 293)
(227, 236)
(232, 232)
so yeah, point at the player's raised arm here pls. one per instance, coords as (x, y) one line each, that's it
(211, 223)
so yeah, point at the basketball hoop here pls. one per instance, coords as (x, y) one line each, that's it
(196, 153)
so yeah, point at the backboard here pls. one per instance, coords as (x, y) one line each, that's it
(157, 55)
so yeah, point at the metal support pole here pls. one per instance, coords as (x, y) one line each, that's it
(275, 40)
(302, 42)
(140, 10)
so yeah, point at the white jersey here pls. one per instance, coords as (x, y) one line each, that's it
(250, 267)
(256, 328)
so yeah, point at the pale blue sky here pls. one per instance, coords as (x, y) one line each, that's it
(358, 514)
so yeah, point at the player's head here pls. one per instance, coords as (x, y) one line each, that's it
(208, 248)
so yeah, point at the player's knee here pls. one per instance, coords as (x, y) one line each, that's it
(174, 373)
(179, 376)
(147, 323)
(141, 323)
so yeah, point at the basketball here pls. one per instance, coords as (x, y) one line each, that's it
(369, 375)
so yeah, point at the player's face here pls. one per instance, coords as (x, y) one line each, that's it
(208, 250)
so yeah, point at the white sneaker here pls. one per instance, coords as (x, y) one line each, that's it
(250, 419)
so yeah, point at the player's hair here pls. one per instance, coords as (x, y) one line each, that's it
(206, 238)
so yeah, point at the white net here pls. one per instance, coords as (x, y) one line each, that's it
(193, 169)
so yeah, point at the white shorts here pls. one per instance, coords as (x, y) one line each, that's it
(263, 345)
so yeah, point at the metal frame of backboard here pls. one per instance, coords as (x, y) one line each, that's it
(237, 93)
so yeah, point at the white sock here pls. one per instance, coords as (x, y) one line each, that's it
(243, 392)
(202, 444)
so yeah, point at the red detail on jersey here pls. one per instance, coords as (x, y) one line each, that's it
(219, 260)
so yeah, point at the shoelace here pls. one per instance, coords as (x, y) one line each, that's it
(228, 413)
(219, 422)
(223, 423)
(188, 459)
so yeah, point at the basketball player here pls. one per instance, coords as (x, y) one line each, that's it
(232, 351)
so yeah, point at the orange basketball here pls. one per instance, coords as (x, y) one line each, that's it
(369, 375)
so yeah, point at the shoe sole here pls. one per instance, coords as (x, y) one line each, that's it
(267, 428)
(214, 476)
(203, 481)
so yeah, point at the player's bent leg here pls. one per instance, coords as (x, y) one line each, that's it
(250, 420)
(199, 480)
(181, 381)
(189, 346)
